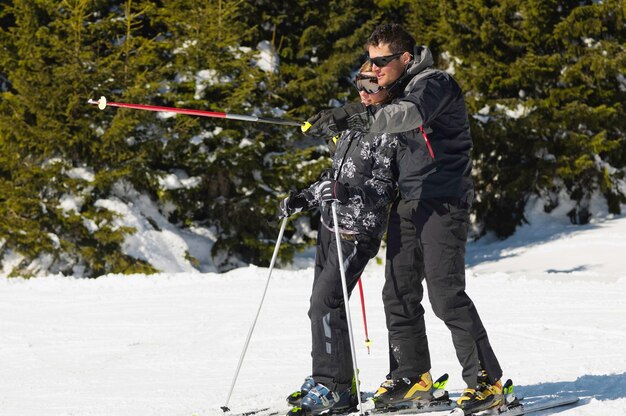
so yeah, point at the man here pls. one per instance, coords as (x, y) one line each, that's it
(428, 226)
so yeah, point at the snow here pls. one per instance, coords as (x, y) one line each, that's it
(68, 202)
(178, 180)
(622, 82)
(551, 298)
(519, 111)
(156, 240)
(206, 78)
(83, 173)
(483, 114)
(452, 61)
(245, 142)
(267, 59)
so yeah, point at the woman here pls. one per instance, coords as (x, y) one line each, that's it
(362, 180)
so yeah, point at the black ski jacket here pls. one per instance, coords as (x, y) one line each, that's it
(435, 144)
(365, 164)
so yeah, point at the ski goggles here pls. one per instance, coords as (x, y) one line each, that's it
(367, 83)
(382, 61)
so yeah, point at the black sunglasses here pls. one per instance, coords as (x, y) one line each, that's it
(381, 61)
(367, 83)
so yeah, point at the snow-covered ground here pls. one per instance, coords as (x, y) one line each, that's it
(551, 298)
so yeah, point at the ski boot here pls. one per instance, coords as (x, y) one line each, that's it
(484, 396)
(295, 398)
(508, 393)
(403, 392)
(320, 399)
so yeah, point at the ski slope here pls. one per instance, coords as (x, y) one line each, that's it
(551, 298)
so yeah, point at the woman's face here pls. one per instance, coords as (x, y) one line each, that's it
(375, 98)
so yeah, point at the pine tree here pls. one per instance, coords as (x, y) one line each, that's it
(320, 45)
(542, 83)
(245, 169)
(55, 56)
(544, 87)
(211, 64)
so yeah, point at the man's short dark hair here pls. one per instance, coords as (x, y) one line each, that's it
(399, 40)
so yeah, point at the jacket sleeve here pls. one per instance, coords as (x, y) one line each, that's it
(381, 189)
(427, 98)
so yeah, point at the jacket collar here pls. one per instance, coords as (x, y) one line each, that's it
(422, 59)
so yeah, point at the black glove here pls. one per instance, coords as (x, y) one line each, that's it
(352, 116)
(293, 204)
(333, 191)
(321, 125)
(327, 123)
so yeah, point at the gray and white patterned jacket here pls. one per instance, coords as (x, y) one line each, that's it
(366, 164)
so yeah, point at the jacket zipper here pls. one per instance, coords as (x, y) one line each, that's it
(337, 174)
(343, 158)
(430, 149)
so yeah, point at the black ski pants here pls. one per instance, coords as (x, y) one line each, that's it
(331, 352)
(426, 241)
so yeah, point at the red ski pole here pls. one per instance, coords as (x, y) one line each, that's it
(102, 104)
(368, 342)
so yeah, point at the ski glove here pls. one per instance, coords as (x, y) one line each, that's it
(327, 123)
(293, 204)
(333, 191)
(320, 125)
(353, 116)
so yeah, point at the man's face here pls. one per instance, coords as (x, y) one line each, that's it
(389, 73)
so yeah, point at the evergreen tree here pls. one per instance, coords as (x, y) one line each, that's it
(55, 55)
(543, 84)
(213, 63)
(320, 45)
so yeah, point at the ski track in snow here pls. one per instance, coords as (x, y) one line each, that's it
(169, 344)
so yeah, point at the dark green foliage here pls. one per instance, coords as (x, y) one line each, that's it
(55, 56)
(559, 64)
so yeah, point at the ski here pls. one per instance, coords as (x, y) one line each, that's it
(523, 408)
(417, 408)
(442, 402)
(439, 402)
(264, 411)
(512, 406)
(517, 407)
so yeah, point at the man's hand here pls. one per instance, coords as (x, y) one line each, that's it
(321, 125)
(351, 116)
(328, 123)
(293, 204)
(333, 191)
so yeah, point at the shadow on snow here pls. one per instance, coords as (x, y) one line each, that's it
(599, 387)
(489, 249)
